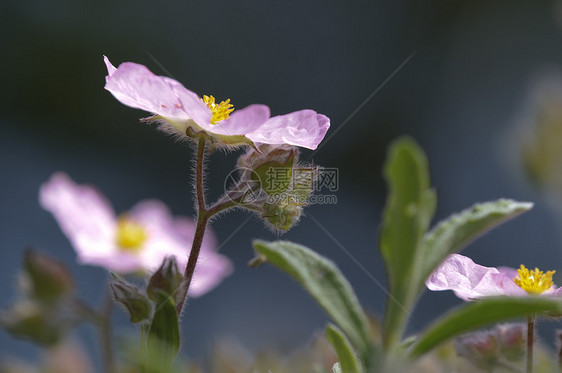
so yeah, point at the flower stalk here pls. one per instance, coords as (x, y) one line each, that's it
(106, 337)
(202, 220)
(102, 321)
(530, 340)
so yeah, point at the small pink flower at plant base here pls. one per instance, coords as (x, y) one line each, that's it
(182, 112)
(469, 280)
(137, 240)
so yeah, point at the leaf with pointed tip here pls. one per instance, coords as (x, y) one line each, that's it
(348, 361)
(478, 314)
(457, 231)
(408, 212)
(327, 285)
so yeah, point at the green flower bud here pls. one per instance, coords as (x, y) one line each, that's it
(47, 279)
(480, 348)
(29, 320)
(137, 305)
(512, 339)
(165, 282)
(282, 215)
(272, 167)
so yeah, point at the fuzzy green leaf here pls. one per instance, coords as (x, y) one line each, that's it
(479, 314)
(457, 231)
(408, 212)
(348, 361)
(326, 284)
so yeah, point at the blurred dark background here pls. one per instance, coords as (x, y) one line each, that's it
(461, 95)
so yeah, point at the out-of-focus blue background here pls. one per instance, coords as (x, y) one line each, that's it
(460, 95)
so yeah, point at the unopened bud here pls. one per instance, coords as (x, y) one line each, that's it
(165, 281)
(48, 279)
(272, 167)
(512, 340)
(137, 305)
(28, 320)
(480, 348)
(282, 215)
(266, 153)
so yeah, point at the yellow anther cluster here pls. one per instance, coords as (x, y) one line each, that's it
(535, 281)
(130, 236)
(218, 111)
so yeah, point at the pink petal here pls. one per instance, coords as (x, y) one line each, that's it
(184, 229)
(303, 128)
(110, 68)
(554, 292)
(210, 272)
(242, 121)
(162, 240)
(173, 236)
(505, 282)
(118, 262)
(467, 279)
(152, 212)
(136, 86)
(83, 214)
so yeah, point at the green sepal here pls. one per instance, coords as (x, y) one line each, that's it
(137, 305)
(193, 130)
(165, 282)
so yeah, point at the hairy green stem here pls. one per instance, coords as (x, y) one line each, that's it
(202, 220)
(204, 214)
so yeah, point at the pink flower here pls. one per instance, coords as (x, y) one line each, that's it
(137, 240)
(182, 112)
(472, 281)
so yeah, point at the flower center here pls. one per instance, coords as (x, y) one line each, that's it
(535, 281)
(130, 236)
(218, 111)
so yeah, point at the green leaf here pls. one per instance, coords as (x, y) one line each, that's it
(478, 314)
(326, 284)
(457, 231)
(164, 337)
(348, 361)
(409, 209)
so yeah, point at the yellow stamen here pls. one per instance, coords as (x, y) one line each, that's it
(130, 236)
(535, 281)
(218, 111)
